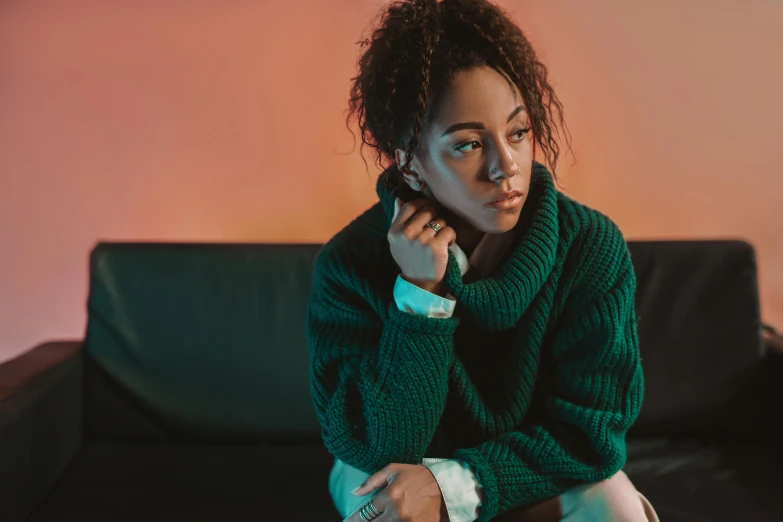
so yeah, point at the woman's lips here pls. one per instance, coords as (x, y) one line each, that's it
(506, 204)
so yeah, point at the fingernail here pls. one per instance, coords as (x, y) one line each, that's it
(354, 490)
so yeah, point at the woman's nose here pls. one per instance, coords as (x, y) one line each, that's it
(505, 166)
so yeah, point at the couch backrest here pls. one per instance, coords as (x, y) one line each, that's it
(199, 341)
(207, 341)
(700, 337)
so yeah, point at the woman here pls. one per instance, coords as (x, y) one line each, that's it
(472, 336)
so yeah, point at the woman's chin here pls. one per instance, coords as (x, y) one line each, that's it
(503, 224)
(497, 223)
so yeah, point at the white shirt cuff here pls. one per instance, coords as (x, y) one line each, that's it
(415, 300)
(459, 486)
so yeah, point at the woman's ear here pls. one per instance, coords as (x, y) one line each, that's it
(409, 176)
(399, 158)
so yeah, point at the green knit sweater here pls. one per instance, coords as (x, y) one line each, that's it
(533, 381)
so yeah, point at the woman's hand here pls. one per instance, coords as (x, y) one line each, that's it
(411, 494)
(421, 253)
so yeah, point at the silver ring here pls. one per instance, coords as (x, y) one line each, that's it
(434, 226)
(369, 512)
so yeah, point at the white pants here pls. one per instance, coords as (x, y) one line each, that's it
(612, 500)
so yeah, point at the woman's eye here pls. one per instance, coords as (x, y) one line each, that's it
(461, 147)
(520, 134)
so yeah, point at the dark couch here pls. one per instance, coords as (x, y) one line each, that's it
(189, 399)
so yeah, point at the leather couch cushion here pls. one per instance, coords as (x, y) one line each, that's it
(686, 481)
(692, 481)
(192, 483)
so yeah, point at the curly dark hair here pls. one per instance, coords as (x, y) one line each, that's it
(418, 47)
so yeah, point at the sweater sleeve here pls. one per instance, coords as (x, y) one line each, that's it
(577, 434)
(378, 383)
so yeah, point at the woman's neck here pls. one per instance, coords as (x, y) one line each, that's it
(468, 239)
(468, 236)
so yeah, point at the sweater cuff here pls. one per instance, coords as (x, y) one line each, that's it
(421, 323)
(459, 487)
(486, 477)
(415, 300)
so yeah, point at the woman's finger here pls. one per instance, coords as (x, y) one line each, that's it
(379, 479)
(378, 502)
(407, 210)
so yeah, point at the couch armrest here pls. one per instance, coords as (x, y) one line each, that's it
(40, 423)
(773, 341)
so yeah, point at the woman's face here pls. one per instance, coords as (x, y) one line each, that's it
(476, 147)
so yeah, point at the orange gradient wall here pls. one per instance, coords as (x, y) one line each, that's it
(224, 121)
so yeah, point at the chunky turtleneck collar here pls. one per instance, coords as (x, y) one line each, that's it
(496, 302)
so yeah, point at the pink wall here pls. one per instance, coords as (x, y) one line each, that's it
(193, 120)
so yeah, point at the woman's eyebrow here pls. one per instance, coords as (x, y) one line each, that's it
(476, 124)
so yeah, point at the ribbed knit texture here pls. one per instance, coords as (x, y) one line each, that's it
(534, 381)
